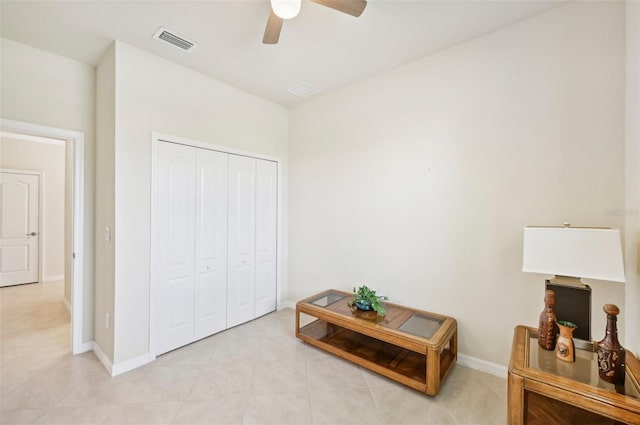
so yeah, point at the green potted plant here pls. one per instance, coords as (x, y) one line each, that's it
(366, 299)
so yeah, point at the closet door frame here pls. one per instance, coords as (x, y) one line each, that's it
(156, 139)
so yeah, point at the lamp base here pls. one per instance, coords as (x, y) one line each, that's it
(573, 304)
(567, 281)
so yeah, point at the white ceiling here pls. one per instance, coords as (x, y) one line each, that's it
(321, 46)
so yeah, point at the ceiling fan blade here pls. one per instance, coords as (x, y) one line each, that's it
(272, 31)
(351, 7)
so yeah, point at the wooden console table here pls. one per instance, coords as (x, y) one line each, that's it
(549, 391)
(413, 347)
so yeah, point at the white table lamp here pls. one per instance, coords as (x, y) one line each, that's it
(571, 253)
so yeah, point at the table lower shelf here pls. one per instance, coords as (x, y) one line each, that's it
(397, 363)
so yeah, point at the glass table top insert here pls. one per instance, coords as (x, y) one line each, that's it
(584, 369)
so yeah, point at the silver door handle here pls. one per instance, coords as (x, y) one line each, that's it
(32, 234)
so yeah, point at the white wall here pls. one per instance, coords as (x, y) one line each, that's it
(105, 199)
(49, 159)
(42, 88)
(156, 95)
(418, 182)
(632, 167)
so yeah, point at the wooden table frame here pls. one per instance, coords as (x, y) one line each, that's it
(524, 380)
(434, 357)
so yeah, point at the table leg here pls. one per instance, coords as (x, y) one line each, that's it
(433, 371)
(515, 400)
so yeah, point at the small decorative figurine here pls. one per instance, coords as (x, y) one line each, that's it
(565, 349)
(611, 355)
(547, 328)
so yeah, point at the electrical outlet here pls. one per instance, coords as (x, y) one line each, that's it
(108, 321)
(107, 234)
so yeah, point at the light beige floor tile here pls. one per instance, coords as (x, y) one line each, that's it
(376, 380)
(144, 413)
(333, 372)
(281, 347)
(37, 392)
(103, 393)
(316, 353)
(20, 416)
(13, 377)
(223, 379)
(280, 376)
(473, 402)
(464, 373)
(257, 373)
(30, 359)
(402, 405)
(222, 410)
(280, 409)
(498, 385)
(231, 346)
(344, 406)
(165, 383)
(85, 415)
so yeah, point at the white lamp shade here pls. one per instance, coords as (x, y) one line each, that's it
(593, 253)
(286, 9)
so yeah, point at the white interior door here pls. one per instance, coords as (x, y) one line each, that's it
(175, 214)
(211, 243)
(266, 233)
(241, 247)
(19, 233)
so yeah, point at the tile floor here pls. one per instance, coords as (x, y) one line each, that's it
(257, 373)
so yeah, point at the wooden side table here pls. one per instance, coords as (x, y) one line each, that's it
(545, 390)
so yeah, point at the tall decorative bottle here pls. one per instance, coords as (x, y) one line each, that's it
(611, 355)
(547, 327)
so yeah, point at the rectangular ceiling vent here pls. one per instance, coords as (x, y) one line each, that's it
(174, 39)
(302, 89)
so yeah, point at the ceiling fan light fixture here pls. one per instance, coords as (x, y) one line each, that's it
(286, 9)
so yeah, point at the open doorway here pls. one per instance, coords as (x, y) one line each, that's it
(32, 208)
(27, 147)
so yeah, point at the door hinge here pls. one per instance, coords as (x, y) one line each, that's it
(74, 255)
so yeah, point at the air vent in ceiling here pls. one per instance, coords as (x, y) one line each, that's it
(302, 89)
(174, 39)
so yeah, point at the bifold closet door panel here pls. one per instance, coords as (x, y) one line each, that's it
(242, 238)
(211, 243)
(266, 233)
(175, 203)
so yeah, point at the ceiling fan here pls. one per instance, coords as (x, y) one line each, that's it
(287, 9)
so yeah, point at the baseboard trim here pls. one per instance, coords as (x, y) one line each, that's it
(287, 304)
(126, 366)
(85, 346)
(52, 278)
(67, 305)
(102, 357)
(118, 368)
(483, 365)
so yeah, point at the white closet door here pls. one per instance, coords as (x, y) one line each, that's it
(175, 195)
(211, 243)
(241, 252)
(266, 231)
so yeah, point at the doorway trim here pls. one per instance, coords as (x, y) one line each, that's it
(76, 139)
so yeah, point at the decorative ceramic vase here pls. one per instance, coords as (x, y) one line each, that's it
(611, 355)
(547, 328)
(565, 349)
